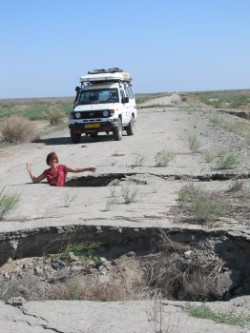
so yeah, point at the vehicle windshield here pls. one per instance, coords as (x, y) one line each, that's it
(97, 96)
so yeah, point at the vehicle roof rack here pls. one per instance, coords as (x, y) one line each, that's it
(102, 70)
(114, 74)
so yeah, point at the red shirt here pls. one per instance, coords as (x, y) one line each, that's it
(57, 176)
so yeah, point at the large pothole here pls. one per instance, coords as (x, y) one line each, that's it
(107, 263)
(114, 178)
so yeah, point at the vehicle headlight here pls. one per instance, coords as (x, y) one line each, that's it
(105, 113)
(78, 115)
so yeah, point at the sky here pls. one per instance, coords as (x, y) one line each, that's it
(177, 45)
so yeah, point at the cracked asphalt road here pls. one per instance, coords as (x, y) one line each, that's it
(114, 317)
(159, 128)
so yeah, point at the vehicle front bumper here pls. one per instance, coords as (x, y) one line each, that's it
(97, 126)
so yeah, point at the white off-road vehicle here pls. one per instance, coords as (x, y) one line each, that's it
(104, 102)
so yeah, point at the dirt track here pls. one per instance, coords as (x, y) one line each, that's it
(165, 127)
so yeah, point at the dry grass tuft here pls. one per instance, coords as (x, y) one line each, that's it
(79, 289)
(158, 319)
(17, 129)
(76, 288)
(236, 186)
(179, 273)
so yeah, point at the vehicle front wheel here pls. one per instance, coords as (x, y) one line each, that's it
(117, 131)
(130, 129)
(75, 137)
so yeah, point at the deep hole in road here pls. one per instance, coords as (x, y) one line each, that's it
(109, 263)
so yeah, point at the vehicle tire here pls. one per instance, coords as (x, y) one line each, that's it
(75, 137)
(130, 129)
(117, 131)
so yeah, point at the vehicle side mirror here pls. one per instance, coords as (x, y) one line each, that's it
(125, 100)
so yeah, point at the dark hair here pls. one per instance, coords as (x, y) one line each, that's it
(51, 156)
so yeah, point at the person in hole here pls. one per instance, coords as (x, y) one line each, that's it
(57, 173)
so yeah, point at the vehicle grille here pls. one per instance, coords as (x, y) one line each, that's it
(92, 114)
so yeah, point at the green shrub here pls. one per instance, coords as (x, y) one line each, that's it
(86, 250)
(33, 108)
(228, 160)
(8, 202)
(228, 318)
(188, 192)
(163, 158)
(129, 195)
(55, 115)
(194, 143)
(204, 206)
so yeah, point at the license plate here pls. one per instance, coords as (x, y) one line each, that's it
(92, 125)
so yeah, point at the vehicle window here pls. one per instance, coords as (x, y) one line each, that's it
(122, 93)
(131, 94)
(126, 90)
(96, 96)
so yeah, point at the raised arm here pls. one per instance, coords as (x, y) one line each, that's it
(75, 170)
(33, 178)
